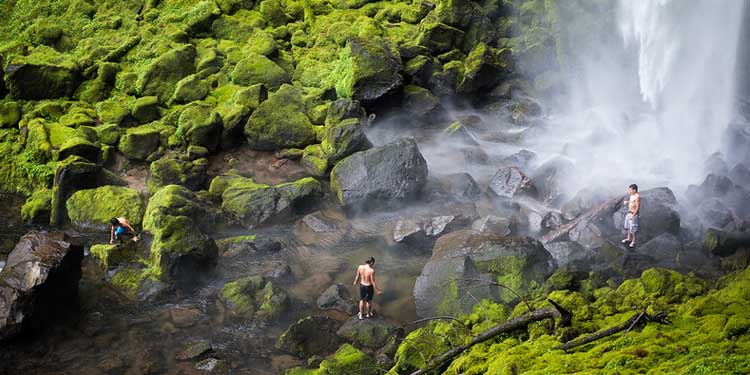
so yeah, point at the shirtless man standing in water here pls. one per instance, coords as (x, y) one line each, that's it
(367, 286)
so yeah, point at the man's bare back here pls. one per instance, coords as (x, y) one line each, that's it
(365, 274)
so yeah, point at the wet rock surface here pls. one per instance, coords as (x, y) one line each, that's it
(40, 276)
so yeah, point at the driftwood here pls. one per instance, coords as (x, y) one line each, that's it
(637, 319)
(723, 243)
(511, 325)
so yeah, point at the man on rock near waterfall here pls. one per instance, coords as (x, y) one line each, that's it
(631, 218)
(367, 286)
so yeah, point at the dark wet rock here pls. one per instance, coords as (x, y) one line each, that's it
(458, 133)
(658, 214)
(43, 74)
(195, 350)
(483, 70)
(511, 182)
(254, 297)
(278, 271)
(664, 248)
(714, 186)
(394, 172)
(589, 227)
(185, 317)
(325, 227)
(212, 365)
(589, 233)
(343, 139)
(518, 263)
(420, 102)
(252, 244)
(494, 225)
(521, 159)
(714, 213)
(368, 332)
(337, 297)
(255, 204)
(548, 180)
(569, 252)
(190, 174)
(420, 229)
(310, 336)
(551, 221)
(371, 69)
(456, 186)
(39, 279)
(344, 108)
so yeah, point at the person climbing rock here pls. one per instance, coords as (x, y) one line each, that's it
(120, 227)
(367, 286)
(631, 218)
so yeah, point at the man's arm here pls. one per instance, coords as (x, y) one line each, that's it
(111, 234)
(637, 205)
(356, 276)
(375, 284)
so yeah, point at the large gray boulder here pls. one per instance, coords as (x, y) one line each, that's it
(468, 261)
(371, 333)
(337, 297)
(394, 172)
(313, 335)
(40, 276)
(254, 204)
(511, 182)
(658, 214)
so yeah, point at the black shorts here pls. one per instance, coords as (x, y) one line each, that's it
(366, 292)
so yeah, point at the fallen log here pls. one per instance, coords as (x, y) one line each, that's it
(636, 320)
(511, 325)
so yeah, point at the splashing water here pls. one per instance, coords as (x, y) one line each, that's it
(650, 101)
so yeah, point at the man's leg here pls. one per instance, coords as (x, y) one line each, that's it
(369, 309)
(361, 305)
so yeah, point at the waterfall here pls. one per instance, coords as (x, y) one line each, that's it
(652, 92)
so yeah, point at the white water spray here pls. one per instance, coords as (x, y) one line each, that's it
(650, 102)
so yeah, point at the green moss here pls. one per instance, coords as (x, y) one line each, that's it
(10, 114)
(160, 77)
(254, 296)
(255, 68)
(110, 256)
(38, 207)
(280, 122)
(314, 160)
(94, 208)
(138, 143)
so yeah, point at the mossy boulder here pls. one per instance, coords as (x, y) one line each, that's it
(178, 221)
(38, 207)
(71, 175)
(113, 111)
(280, 122)
(313, 335)
(79, 146)
(371, 333)
(343, 108)
(176, 200)
(419, 101)
(108, 134)
(255, 68)
(139, 143)
(10, 114)
(347, 360)
(394, 172)
(343, 139)
(521, 264)
(43, 74)
(367, 69)
(254, 297)
(233, 119)
(189, 89)
(92, 209)
(250, 97)
(190, 174)
(146, 109)
(424, 344)
(483, 69)
(113, 256)
(314, 160)
(200, 125)
(255, 204)
(160, 77)
(438, 37)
